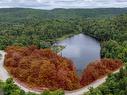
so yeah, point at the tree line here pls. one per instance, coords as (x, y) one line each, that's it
(35, 30)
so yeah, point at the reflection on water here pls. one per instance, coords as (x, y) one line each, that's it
(81, 49)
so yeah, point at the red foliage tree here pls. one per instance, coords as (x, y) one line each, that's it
(41, 68)
(98, 69)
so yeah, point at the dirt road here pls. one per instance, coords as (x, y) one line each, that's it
(4, 75)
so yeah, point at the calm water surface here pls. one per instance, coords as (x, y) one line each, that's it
(81, 49)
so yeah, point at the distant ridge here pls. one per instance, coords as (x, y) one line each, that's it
(18, 14)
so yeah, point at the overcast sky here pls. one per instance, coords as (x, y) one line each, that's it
(50, 4)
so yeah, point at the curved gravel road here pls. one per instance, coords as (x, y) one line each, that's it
(4, 75)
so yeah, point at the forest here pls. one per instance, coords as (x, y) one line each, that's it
(43, 69)
(40, 28)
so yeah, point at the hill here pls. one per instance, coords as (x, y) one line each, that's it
(42, 28)
(22, 14)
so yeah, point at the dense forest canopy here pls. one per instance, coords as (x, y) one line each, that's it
(41, 68)
(99, 68)
(22, 14)
(42, 28)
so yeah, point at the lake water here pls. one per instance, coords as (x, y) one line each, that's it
(81, 49)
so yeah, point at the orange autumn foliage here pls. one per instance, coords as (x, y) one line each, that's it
(99, 69)
(41, 68)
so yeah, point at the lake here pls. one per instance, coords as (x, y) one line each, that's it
(81, 49)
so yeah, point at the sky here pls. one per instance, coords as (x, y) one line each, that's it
(51, 4)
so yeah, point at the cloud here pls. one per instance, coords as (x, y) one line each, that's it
(121, 0)
(50, 4)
